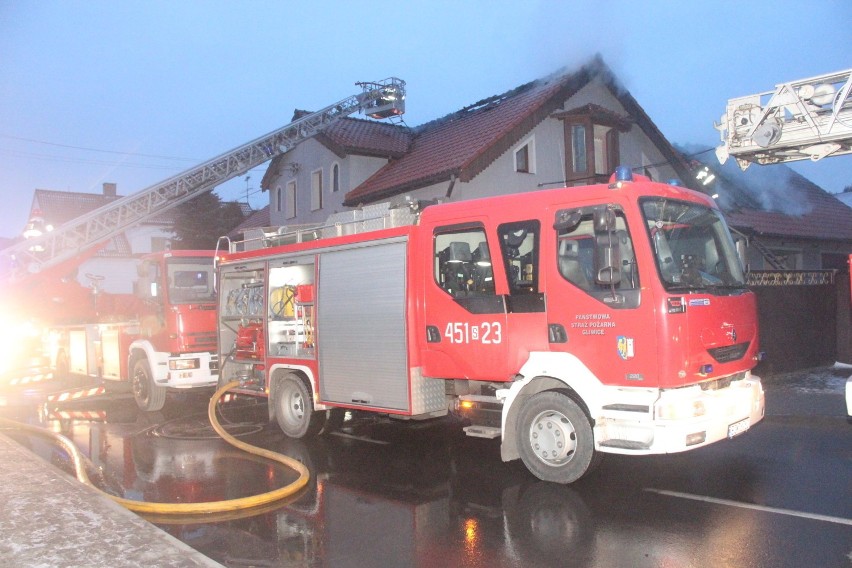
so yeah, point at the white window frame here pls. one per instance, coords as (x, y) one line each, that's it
(529, 143)
(290, 206)
(335, 180)
(316, 190)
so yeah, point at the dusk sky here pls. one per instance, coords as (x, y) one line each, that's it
(135, 92)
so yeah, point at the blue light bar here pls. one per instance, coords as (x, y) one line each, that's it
(674, 181)
(623, 173)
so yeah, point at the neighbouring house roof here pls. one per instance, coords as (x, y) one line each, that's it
(776, 201)
(59, 207)
(257, 219)
(818, 215)
(464, 143)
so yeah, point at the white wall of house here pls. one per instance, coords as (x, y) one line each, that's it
(300, 165)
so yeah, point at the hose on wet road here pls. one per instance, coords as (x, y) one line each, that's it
(224, 506)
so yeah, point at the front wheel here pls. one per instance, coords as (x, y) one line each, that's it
(149, 396)
(294, 408)
(555, 437)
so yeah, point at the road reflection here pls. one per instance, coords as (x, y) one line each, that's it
(390, 493)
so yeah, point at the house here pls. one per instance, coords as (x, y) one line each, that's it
(571, 128)
(113, 267)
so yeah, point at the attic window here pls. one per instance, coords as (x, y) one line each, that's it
(591, 143)
(290, 208)
(335, 177)
(525, 157)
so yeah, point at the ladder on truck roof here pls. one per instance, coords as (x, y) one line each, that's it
(381, 99)
(806, 119)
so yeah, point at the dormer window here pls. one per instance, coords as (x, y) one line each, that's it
(591, 143)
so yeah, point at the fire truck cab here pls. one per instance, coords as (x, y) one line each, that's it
(611, 318)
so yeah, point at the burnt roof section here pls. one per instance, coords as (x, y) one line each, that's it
(464, 143)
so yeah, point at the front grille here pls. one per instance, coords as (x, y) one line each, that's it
(729, 353)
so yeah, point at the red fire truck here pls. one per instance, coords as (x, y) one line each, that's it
(611, 318)
(161, 337)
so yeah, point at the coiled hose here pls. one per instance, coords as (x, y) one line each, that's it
(225, 506)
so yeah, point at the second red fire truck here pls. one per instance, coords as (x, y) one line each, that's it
(610, 318)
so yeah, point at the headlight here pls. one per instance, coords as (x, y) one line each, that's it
(184, 364)
(680, 409)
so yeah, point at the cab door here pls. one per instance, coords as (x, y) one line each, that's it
(602, 310)
(464, 315)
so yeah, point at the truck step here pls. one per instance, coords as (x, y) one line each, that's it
(482, 432)
(626, 444)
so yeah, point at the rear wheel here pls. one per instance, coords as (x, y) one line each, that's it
(555, 437)
(294, 408)
(149, 396)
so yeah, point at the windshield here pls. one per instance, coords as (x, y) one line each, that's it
(692, 245)
(190, 280)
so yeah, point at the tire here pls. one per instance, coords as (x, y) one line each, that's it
(555, 437)
(149, 397)
(294, 408)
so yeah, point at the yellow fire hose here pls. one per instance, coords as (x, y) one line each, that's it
(190, 508)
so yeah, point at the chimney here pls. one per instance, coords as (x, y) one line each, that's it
(110, 189)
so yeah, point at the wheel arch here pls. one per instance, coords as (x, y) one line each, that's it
(143, 349)
(276, 375)
(561, 372)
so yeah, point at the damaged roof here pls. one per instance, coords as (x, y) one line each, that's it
(464, 143)
(811, 212)
(774, 200)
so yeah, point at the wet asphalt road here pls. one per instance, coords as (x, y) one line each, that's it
(386, 493)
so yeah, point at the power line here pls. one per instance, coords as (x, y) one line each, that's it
(97, 149)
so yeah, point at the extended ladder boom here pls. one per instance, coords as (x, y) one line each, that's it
(806, 119)
(382, 99)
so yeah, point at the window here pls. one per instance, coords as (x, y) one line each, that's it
(279, 199)
(692, 247)
(525, 157)
(591, 143)
(519, 246)
(290, 207)
(594, 252)
(463, 263)
(316, 190)
(335, 177)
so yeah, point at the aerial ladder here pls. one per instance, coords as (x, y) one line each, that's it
(381, 99)
(805, 119)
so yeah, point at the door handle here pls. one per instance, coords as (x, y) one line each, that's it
(432, 334)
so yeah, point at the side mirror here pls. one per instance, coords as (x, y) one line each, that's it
(154, 290)
(604, 220)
